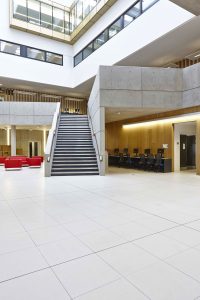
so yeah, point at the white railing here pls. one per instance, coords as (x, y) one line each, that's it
(51, 141)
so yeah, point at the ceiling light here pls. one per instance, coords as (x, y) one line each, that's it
(197, 55)
(180, 119)
(118, 113)
(1, 84)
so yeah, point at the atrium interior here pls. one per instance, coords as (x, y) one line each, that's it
(99, 150)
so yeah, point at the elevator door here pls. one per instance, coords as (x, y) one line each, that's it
(187, 151)
(183, 151)
(33, 149)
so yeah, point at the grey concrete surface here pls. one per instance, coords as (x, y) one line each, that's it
(26, 113)
(140, 88)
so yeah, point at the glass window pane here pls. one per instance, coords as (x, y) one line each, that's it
(34, 12)
(146, 4)
(79, 12)
(58, 19)
(20, 10)
(93, 3)
(78, 59)
(101, 39)
(127, 20)
(87, 51)
(54, 58)
(35, 54)
(10, 48)
(72, 19)
(46, 16)
(86, 8)
(67, 25)
(134, 12)
(115, 28)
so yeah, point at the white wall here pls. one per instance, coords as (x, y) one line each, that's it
(163, 17)
(31, 70)
(179, 129)
(160, 19)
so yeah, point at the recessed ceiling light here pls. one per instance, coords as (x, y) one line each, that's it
(1, 84)
(118, 113)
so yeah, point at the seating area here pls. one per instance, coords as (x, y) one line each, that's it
(17, 162)
(145, 161)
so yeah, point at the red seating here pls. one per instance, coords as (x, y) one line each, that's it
(13, 164)
(34, 162)
(42, 158)
(22, 158)
(2, 160)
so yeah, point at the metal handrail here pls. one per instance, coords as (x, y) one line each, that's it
(93, 134)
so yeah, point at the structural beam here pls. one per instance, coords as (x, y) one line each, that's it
(192, 6)
(198, 146)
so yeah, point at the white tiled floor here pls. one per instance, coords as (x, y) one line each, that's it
(129, 235)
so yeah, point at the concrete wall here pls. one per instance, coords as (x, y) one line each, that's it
(141, 87)
(97, 123)
(26, 113)
(145, 88)
(191, 86)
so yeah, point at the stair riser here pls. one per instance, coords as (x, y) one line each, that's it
(74, 153)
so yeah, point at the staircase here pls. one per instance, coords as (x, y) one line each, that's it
(74, 153)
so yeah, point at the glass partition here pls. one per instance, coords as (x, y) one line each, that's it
(52, 17)
(20, 10)
(58, 19)
(46, 16)
(34, 12)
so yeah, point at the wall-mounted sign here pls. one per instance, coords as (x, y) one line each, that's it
(165, 146)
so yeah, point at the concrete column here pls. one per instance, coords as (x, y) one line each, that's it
(198, 146)
(13, 140)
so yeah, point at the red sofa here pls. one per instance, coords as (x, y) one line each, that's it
(34, 162)
(2, 160)
(13, 164)
(41, 157)
(23, 159)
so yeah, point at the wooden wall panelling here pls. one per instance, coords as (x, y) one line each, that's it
(152, 137)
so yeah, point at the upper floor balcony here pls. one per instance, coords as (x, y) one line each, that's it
(48, 18)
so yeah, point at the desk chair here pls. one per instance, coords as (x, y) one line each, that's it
(150, 162)
(159, 165)
(142, 162)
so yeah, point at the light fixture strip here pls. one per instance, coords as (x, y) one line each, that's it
(180, 119)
